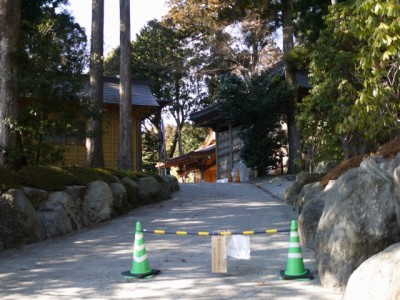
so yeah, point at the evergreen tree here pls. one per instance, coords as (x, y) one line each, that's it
(9, 39)
(160, 54)
(125, 106)
(94, 140)
(51, 57)
(257, 106)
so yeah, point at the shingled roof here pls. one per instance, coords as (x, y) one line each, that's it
(212, 117)
(141, 94)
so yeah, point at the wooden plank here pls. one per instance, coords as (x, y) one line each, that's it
(219, 258)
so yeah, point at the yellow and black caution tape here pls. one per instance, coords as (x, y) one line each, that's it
(214, 233)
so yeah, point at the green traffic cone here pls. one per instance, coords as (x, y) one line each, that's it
(140, 265)
(295, 265)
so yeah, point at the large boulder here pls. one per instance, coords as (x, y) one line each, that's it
(308, 192)
(132, 190)
(149, 190)
(31, 223)
(357, 222)
(311, 203)
(77, 192)
(35, 196)
(121, 203)
(173, 182)
(60, 214)
(13, 230)
(168, 185)
(98, 203)
(309, 219)
(376, 278)
(302, 179)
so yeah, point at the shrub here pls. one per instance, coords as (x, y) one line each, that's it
(46, 177)
(8, 180)
(84, 175)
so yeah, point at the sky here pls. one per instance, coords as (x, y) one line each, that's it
(142, 11)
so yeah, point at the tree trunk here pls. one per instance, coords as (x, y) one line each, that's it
(10, 16)
(179, 119)
(173, 144)
(94, 134)
(180, 146)
(290, 77)
(125, 106)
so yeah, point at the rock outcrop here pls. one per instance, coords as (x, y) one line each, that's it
(358, 221)
(376, 278)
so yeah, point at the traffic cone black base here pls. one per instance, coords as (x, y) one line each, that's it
(140, 265)
(295, 265)
(307, 275)
(129, 275)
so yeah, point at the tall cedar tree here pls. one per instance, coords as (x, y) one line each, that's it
(10, 14)
(125, 106)
(290, 77)
(94, 139)
(161, 54)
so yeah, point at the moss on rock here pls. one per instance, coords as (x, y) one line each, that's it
(85, 175)
(46, 177)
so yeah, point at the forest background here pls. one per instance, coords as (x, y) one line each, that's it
(221, 52)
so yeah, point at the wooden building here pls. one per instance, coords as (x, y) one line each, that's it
(228, 142)
(200, 162)
(143, 104)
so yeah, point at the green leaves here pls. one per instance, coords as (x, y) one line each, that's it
(52, 51)
(378, 28)
(257, 106)
(355, 76)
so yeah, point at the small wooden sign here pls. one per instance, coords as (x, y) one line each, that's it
(218, 251)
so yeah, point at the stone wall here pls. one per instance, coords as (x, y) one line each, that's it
(29, 215)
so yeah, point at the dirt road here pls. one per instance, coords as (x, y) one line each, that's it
(88, 264)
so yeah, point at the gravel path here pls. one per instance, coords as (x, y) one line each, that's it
(87, 264)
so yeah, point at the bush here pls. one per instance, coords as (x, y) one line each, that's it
(85, 175)
(46, 177)
(51, 178)
(8, 180)
(121, 174)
